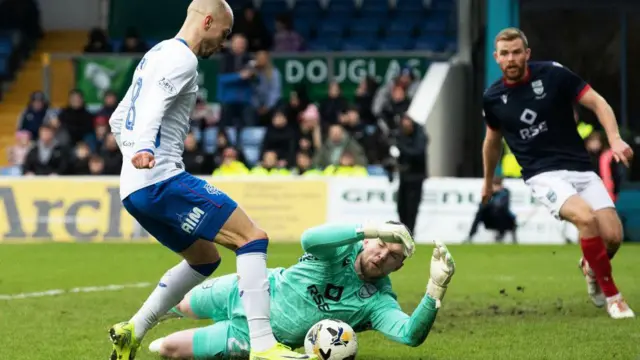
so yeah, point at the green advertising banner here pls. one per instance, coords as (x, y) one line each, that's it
(314, 71)
(95, 76)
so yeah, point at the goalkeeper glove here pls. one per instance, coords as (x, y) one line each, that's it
(442, 269)
(391, 232)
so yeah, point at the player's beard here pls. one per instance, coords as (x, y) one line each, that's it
(514, 72)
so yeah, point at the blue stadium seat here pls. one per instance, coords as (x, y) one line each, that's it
(323, 44)
(4, 66)
(347, 6)
(399, 27)
(209, 140)
(435, 24)
(251, 155)
(252, 136)
(330, 30)
(359, 44)
(365, 27)
(410, 5)
(429, 44)
(6, 45)
(308, 6)
(272, 7)
(394, 44)
(376, 170)
(303, 28)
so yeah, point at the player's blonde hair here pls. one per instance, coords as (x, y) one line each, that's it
(510, 34)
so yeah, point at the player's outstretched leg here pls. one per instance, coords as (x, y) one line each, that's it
(201, 260)
(250, 244)
(579, 212)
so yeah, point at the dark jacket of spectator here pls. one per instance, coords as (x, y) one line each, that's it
(98, 42)
(46, 157)
(280, 138)
(112, 156)
(412, 143)
(36, 114)
(77, 120)
(251, 25)
(334, 105)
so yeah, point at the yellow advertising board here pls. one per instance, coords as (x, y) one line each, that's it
(79, 209)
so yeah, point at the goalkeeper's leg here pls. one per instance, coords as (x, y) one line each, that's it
(211, 342)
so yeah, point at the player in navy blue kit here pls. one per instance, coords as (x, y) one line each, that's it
(532, 108)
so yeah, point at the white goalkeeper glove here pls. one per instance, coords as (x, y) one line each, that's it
(442, 269)
(391, 232)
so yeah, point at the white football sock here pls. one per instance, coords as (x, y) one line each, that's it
(170, 290)
(254, 294)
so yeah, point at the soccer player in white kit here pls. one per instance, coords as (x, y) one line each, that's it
(183, 212)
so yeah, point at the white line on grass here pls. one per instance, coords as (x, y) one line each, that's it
(76, 290)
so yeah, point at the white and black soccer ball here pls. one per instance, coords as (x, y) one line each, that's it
(331, 340)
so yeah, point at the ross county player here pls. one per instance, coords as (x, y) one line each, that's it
(532, 107)
(183, 212)
(342, 275)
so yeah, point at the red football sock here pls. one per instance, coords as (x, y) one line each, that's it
(596, 255)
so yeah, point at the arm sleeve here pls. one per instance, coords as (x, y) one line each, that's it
(151, 96)
(572, 85)
(324, 241)
(392, 322)
(489, 118)
(417, 147)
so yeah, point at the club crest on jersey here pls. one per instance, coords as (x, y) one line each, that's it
(504, 98)
(367, 290)
(538, 89)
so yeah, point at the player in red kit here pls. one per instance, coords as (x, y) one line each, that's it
(532, 108)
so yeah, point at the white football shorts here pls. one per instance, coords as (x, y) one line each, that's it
(553, 188)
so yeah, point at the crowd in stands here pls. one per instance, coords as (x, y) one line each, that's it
(269, 135)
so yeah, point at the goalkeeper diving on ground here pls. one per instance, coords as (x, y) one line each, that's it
(343, 275)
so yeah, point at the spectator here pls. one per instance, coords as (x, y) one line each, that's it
(235, 89)
(109, 104)
(280, 139)
(222, 143)
(346, 167)
(333, 106)
(75, 118)
(46, 157)
(303, 165)
(203, 116)
(371, 138)
(268, 88)
(412, 166)
(298, 102)
(133, 43)
(286, 39)
(61, 134)
(338, 143)
(96, 165)
(395, 108)
(406, 80)
(364, 99)
(97, 140)
(230, 165)
(251, 25)
(270, 165)
(98, 42)
(80, 160)
(111, 155)
(310, 138)
(193, 158)
(36, 114)
(18, 152)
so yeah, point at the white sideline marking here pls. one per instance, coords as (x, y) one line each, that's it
(86, 289)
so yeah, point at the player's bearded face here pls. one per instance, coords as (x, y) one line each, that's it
(379, 259)
(512, 56)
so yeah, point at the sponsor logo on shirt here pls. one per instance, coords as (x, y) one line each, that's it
(367, 290)
(167, 86)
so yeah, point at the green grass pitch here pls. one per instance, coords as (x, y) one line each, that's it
(505, 302)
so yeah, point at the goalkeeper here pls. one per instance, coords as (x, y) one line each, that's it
(343, 275)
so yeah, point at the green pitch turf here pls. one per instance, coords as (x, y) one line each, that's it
(505, 302)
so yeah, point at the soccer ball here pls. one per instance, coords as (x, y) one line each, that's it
(331, 340)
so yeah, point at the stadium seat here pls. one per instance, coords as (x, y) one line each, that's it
(400, 27)
(365, 27)
(252, 136)
(394, 44)
(415, 6)
(209, 140)
(330, 30)
(6, 45)
(251, 155)
(270, 8)
(359, 44)
(429, 44)
(376, 170)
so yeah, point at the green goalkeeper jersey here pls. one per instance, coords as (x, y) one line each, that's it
(324, 285)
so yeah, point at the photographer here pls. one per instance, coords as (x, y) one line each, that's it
(411, 144)
(496, 214)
